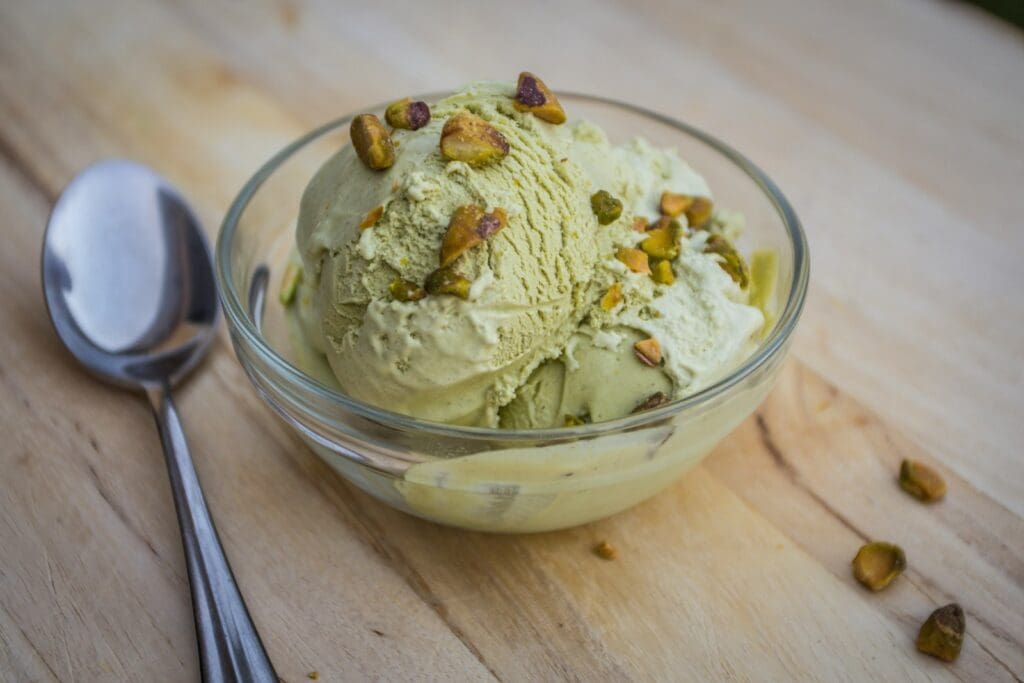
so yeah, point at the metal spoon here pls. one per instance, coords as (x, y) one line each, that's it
(130, 289)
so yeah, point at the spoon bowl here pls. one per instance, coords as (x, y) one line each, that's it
(129, 286)
(127, 276)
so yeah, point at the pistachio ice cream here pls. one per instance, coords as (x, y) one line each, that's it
(481, 261)
(443, 357)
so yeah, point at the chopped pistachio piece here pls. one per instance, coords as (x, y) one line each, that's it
(655, 400)
(605, 551)
(407, 114)
(404, 290)
(732, 263)
(290, 283)
(612, 298)
(634, 259)
(877, 564)
(467, 137)
(921, 481)
(371, 218)
(606, 207)
(533, 96)
(372, 142)
(661, 272)
(468, 227)
(673, 204)
(447, 281)
(662, 241)
(942, 634)
(640, 224)
(573, 421)
(664, 222)
(648, 351)
(699, 212)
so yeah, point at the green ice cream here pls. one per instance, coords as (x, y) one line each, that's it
(701, 321)
(531, 344)
(442, 358)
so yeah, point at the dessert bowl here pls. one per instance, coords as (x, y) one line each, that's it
(491, 479)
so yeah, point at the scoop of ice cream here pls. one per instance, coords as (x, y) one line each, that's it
(702, 321)
(444, 358)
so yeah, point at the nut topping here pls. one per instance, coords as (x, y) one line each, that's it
(634, 259)
(407, 114)
(447, 281)
(878, 563)
(467, 137)
(371, 218)
(606, 207)
(648, 351)
(661, 272)
(662, 241)
(612, 298)
(698, 212)
(404, 290)
(468, 227)
(533, 96)
(372, 142)
(921, 481)
(673, 204)
(732, 263)
(942, 634)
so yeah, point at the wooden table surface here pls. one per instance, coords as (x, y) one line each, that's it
(895, 128)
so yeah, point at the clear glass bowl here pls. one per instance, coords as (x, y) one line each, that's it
(492, 479)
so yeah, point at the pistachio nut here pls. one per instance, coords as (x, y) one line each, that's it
(407, 114)
(533, 96)
(612, 298)
(698, 212)
(404, 290)
(467, 137)
(648, 351)
(372, 142)
(921, 481)
(468, 227)
(605, 551)
(447, 281)
(731, 261)
(662, 241)
(877, 564)
(634, 259)
(606, 207)
(942, 634)
(661, 272)
(673, 204)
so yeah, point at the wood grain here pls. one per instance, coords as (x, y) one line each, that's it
(894, 128)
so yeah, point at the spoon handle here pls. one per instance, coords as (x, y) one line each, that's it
(229, 646)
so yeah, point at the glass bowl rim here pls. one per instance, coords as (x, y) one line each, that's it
(242, 325)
